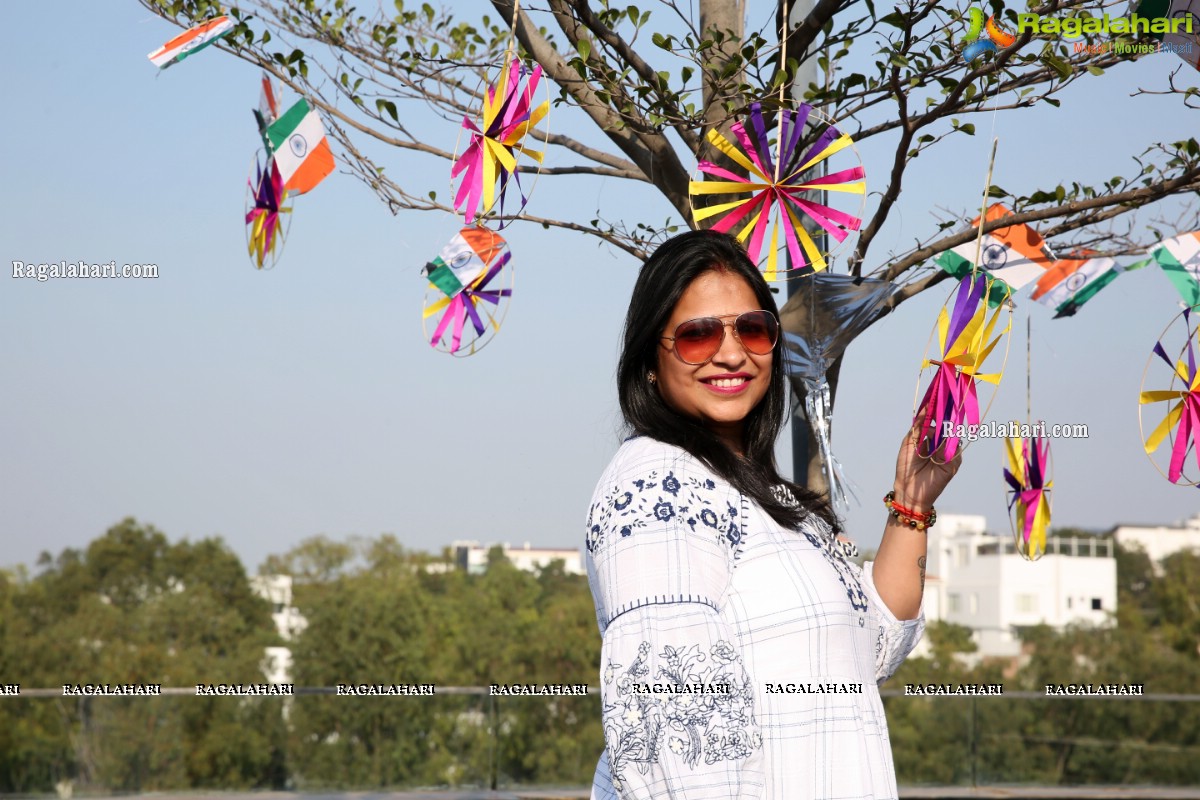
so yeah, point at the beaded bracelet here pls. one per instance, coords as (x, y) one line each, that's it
(907, 516)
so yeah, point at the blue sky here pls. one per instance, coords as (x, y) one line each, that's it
(268, 407)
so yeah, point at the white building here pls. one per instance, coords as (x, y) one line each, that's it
(978, 579)
(472, 557)
(1162, 540)
(277, 590)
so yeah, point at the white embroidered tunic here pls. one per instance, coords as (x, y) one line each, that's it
(739, 659)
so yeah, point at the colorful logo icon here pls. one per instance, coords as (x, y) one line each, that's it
(997, 37)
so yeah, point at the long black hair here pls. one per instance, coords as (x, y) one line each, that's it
(663, 279)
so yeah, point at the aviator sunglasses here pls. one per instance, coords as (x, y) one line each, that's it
(697, 341)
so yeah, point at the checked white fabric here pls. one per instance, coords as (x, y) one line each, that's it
(695, 584)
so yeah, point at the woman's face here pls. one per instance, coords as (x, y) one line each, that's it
(723, 391)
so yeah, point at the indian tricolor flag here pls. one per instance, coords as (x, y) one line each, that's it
(1013, 254)
(301, 151)
(1071, 282)
(1180, 259)
(190, 41)
(463, 260)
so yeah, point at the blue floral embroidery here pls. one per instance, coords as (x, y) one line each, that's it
(837, 559)
(650, 500)
(712, 726)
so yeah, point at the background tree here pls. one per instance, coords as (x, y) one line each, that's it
(134, 608)
(644, 85)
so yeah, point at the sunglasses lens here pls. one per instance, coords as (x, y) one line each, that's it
(759, 331)
(698, 340)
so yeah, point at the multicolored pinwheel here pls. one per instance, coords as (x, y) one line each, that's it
(966, 337)
(268, 213)
(1029, 481)
(1181, 424)
(509, 116)
(463, 282)
(267, 201)
(780, 189)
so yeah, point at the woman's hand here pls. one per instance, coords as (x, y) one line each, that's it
(920, 481)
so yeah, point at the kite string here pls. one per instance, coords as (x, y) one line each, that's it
(787, 27)
(510, 51)
(987, 188)
(988, 185)
(1029, 370)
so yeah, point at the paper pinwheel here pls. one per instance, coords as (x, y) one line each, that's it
(965, 340)
(267, 204)
(822, 316)
(779, 189)
(509, 116)
(463, 292)
(1029, 482)
(1182, 421)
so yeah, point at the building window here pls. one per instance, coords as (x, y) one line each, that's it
(964, 555)
(954, 602)
(1096, 605)
(1069, 603)
(974, 603)
(1027, 603)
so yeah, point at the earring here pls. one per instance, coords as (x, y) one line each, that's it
(652, 377)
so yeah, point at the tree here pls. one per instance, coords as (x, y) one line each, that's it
(134, 608)
(883, 72)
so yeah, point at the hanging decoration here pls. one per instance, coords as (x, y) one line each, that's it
(466, 300)
(823, 315)
(1173, 355)
(191, 42)
(1027, 472)
(780, 189)
(489, 165)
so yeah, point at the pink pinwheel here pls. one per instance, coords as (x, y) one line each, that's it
(508, 117)
(1028, 478)
(778, 188)
(1182, 421)
(461, 289)
(265, 229)
(964, 342)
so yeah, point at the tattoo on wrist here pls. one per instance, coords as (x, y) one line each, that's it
(921, 564)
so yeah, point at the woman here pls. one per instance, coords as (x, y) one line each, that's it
(741, 649)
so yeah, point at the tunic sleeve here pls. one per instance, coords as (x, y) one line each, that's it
(897, 637)
(678, 707)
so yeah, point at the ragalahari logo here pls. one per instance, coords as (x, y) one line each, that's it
(997, 37)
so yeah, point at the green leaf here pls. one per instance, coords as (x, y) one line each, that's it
(1095, 70)
(968, 129)
(584, 48)
(382, 105)
(1058, 65)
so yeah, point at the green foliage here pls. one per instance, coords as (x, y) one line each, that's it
(131, 607)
